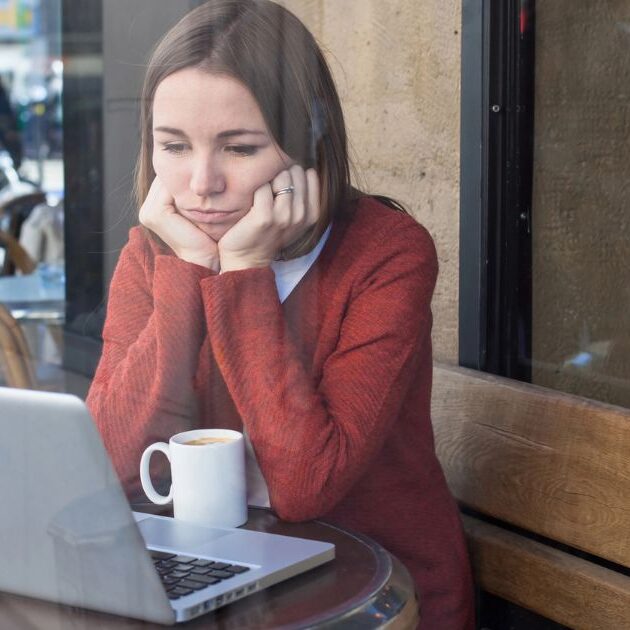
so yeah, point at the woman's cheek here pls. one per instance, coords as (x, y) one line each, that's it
(258, 180)
(158, 166)
(166, 173)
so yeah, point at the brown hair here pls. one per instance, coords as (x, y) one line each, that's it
(272, 53)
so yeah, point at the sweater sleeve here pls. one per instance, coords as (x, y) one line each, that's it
(143, 387)
(314, 437)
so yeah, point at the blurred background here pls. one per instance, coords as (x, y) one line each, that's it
(503, 125)
(32, 263)
(31, 76)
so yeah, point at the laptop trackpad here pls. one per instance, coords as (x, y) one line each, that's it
(166, 532)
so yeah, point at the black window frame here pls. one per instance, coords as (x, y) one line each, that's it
(497, 130)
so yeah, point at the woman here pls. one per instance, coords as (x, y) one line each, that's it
(265, 294)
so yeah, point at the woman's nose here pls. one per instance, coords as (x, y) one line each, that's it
(207, 177)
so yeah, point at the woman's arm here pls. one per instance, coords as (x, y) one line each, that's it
(314, 443)
(143, 387)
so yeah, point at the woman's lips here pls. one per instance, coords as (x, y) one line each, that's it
(208, 216)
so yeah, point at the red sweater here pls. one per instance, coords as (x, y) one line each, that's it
(333, 386)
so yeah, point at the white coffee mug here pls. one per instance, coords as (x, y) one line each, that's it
(208, 481)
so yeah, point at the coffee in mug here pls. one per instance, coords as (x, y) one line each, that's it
(208, 477)
(208, 440)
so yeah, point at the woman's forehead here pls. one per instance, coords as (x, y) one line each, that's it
(197, 99)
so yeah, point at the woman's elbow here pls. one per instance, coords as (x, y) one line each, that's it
(298, 508)
(294, 514)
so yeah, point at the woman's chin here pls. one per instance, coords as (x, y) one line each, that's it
(215, 232)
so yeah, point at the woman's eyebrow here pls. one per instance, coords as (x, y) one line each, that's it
(172, 130)
(228, 133)
(240, 132)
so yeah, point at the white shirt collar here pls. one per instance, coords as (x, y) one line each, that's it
(289, 272)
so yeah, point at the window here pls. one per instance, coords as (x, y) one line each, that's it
(548, 86)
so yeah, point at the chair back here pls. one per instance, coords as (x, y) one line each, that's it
(16, 257)
(15, 359)
(16, 210)
(548, 477)
(536, 458)
(13, 213)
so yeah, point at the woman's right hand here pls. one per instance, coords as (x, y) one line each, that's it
(159, 214)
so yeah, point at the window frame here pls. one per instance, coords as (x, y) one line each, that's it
(497, 131)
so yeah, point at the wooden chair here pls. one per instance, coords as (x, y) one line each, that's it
(542, 463)
(13, 213)
(15, 356)
(16, 210)
(16, 256)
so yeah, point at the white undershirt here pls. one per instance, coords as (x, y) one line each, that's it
(288, 274)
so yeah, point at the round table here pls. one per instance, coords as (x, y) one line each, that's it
(364, 587)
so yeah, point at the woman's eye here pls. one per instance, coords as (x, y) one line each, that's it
(174, 147)
(241, 149)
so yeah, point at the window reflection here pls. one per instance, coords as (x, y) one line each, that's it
(386, 273)
(32, 256)
(581, 294)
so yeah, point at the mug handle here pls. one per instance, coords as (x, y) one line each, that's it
(145, 476)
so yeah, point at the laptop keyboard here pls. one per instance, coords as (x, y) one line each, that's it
(183, 575)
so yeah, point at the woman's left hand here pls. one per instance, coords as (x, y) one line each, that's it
(273, 222)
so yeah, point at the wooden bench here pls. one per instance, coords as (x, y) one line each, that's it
(549, 463)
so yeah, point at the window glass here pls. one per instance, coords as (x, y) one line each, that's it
(581, 276)
(32, 187)
(235, 228)
(84, 159)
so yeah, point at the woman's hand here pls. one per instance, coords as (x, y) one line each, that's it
(273, 221)
(159, 214)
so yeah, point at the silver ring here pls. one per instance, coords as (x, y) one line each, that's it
(283, 191)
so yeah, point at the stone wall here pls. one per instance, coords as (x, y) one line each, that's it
(397, 68)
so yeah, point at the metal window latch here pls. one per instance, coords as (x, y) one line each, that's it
(524, 217)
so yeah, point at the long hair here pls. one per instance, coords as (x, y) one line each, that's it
(271, 52)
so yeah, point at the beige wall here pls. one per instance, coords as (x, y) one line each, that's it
(581, 194)
(397, 68)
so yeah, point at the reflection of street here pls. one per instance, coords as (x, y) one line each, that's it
(31, 73)
(52, 172)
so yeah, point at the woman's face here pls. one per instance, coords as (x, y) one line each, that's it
(211, 148)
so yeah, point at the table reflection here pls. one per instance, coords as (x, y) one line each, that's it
(38, 296)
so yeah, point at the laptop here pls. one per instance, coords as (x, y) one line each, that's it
(68, 535)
